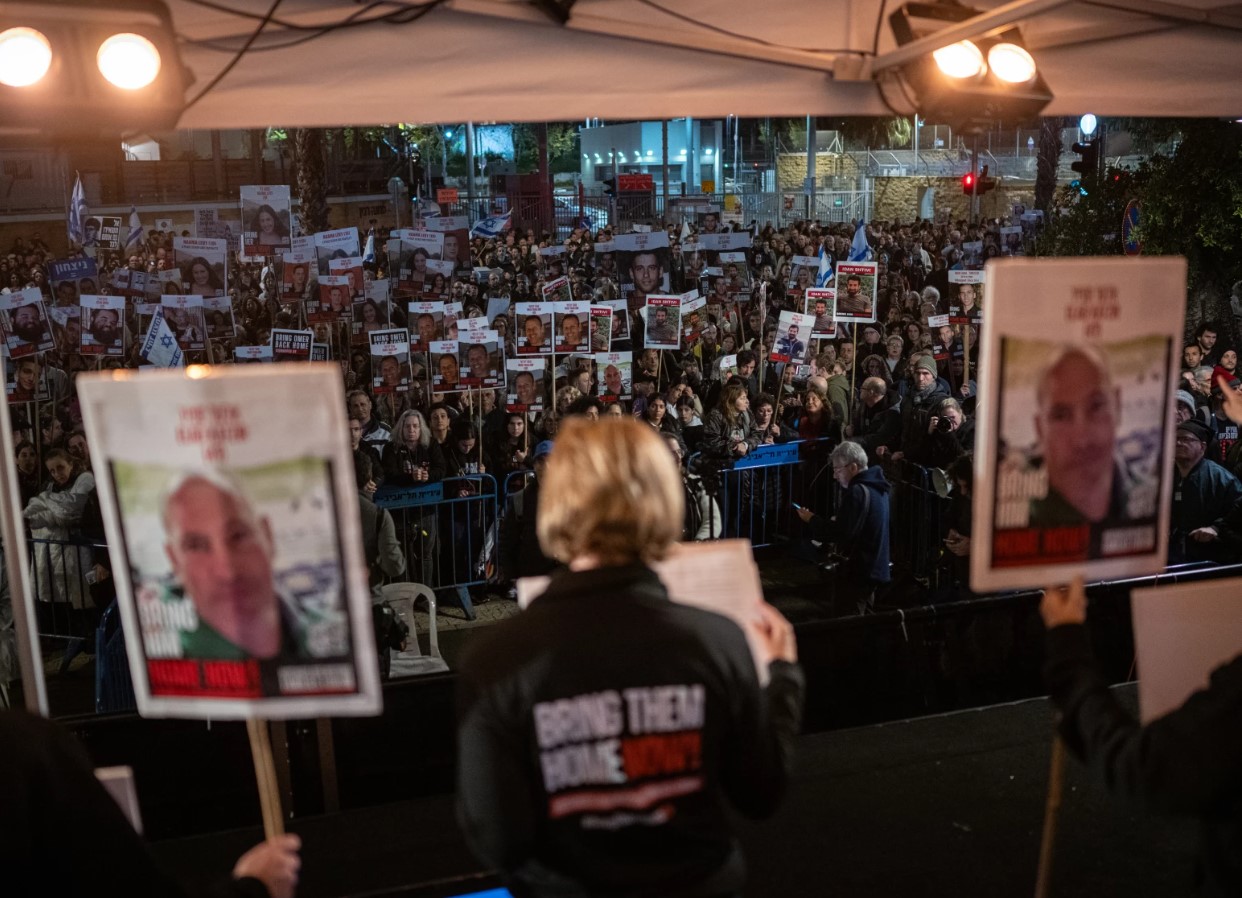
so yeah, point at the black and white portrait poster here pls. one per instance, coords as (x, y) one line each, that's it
(1075, 433)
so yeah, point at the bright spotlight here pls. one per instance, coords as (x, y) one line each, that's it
(129, 61)
(1087, 124)
(1011, 63)
(25, 57)
(960, 60)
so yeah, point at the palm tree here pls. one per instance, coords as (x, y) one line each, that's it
(1047, 161)
(312, 185)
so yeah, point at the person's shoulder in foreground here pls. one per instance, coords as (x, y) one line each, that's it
(62, 833)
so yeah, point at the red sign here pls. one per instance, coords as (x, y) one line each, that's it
(446, 196)
(635, 183)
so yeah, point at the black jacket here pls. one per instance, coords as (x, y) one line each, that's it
(603, 732)
(878, 425)
(518, 547)
(61, 833)
(1188, 762)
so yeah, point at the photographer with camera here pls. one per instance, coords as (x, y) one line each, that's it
(949, 434)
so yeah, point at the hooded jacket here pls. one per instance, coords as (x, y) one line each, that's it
(860, 526)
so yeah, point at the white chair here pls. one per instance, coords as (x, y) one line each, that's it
(412, 662)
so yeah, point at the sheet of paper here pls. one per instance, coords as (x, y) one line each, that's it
(718, 576)
(1181, 634)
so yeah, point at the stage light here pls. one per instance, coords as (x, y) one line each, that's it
(90, 69)
(25, 57)
(129, 61)
(1011, 63)
(958, 65)
(960, 60)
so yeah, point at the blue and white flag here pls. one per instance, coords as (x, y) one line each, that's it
(825, 269)
(493, 226)
(135, 229)
(368, 251)
(78, 213)
(160, 347)
(860, 250)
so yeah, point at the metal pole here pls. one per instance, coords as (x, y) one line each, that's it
(810, 168)
(17, 568)
(974, 181)
(916, 144)
(664, 165)
(470, 186)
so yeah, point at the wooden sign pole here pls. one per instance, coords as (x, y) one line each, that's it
(265, 775)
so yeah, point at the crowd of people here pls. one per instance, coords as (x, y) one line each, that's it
(902, 388)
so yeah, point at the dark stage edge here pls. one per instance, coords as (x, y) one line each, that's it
(947, 805)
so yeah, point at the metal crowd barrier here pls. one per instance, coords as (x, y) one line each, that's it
(918, 523)
(62, 577)
(756, 492)
(449, 540)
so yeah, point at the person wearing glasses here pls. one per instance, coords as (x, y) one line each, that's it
(859, 528)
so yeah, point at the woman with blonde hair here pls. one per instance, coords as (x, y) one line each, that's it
(560, 707)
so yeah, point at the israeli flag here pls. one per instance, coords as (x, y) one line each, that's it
(493, 226)
(860, 250)
(825, 269)
(368, 251)
(78, 213)
(135, 229)
(160, 347)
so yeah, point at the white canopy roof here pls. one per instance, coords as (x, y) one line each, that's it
(507, 60)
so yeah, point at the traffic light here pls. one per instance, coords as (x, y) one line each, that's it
(1088, 167)
(968, 183)
(610, 186)
(985, 183)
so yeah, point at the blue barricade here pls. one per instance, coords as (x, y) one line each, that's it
(757, 491)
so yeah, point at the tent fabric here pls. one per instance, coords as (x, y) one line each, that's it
(506, 60)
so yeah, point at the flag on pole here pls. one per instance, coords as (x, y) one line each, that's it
(78, 213)
(160, 347)
(860, 250)
(492, 226)
(825, 269)
(135, 229)
(368, 251)
(685, 231)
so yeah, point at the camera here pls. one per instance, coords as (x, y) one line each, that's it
(944, 425)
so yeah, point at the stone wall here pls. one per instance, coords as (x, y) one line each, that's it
(898, 198)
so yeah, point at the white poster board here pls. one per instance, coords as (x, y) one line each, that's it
(232, 524)
(1074, 453)
(1181, 634)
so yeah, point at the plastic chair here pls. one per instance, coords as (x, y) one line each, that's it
(412, 661)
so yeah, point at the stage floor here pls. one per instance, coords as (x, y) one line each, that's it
(946, 805)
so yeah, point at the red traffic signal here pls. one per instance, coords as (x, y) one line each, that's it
(977, 185)
(968, 183)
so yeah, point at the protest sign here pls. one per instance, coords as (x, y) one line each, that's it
(856, 289)
(218, 312)
(184, 315)
(692, 319)
(821, 304)
(557, 290)
(643, 263)
(965, 288)
(455, 248)
(569, 319)
(601, 328)
(802, 273)
(339, 244)
(25, 324)
(791, 344)
(615, 376)
(72, 277)
(534, 328)
(128, 282)
(663, 317)
(202, 262)
(297, 276)
(290, 345)
(427, 318)
(370, 311)
(527, 384)
(417, 247)
(390, 361)
(233, 529)
(266, 213)
(481, 359)
(205, 221)
(445, 367)
(249, 355)
(350, 268)
(102, 325)
(25, 380)
(1076, 419)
